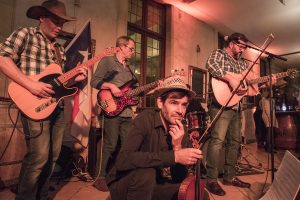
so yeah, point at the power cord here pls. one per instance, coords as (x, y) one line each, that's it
(13, 131)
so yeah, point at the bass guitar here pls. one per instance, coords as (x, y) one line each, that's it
(113, 105)
(222, 90)
(38, 108)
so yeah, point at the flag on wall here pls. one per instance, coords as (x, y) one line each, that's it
(78, 51)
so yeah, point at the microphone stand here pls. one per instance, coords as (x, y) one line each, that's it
(271, 96)
(270, 131)
(205, 134)
(266, 52)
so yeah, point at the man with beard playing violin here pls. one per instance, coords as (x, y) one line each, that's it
(152, 161)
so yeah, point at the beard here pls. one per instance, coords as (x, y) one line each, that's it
(237, 55)
(170, 118)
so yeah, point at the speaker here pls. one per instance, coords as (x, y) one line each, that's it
(64, 163)
(287, 180)
(95, 140)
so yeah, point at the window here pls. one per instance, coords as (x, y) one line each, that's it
(146, 25)
(198, 82)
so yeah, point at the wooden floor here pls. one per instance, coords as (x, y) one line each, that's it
(75, 189)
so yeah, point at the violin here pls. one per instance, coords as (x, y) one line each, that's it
(188, 188)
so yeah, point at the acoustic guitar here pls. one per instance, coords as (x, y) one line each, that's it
(38, 108)
(222, 90)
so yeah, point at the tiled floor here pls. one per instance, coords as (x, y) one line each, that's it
(75, 189)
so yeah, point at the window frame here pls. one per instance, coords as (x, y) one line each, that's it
(146, 33)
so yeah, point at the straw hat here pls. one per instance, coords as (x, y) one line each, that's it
(51, 7)
(173, 83)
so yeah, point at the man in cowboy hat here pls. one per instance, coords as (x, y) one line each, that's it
(28, 51)
(152, 159)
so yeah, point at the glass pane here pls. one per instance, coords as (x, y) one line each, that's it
(135, 11)
(136, 60)
(154, 19)
(153, 71)
(199, 82)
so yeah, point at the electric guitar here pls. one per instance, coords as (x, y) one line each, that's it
(113, 105)
(222, 90)
(38, 108)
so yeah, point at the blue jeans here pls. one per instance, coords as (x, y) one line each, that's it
(43, 141)
(227, 129)
(114, 129)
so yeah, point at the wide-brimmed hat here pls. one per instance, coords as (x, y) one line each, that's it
(173, 83)
(50, 7)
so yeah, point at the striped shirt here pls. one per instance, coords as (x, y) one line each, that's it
(221, 62)
(31, 50)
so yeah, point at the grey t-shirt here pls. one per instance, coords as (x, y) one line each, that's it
(111, 70)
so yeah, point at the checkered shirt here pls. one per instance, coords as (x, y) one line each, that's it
(30, 50)
(221, 62)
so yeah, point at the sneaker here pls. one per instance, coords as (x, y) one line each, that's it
(215, 188)
(100, 184)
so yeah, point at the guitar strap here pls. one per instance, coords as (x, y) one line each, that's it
(133, 75)
(59, 59)
(57, 54)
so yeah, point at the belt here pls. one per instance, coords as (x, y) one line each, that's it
(218, 106)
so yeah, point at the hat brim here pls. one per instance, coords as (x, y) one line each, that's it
(162, 91)
(35, 12)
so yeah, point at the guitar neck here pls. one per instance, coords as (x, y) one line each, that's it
(140, 89)
(264, 79)
(73, 72)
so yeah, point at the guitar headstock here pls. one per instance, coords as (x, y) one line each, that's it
(292, 73)
(178, 72)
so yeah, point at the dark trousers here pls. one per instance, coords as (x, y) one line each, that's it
(267, 138)
(141, 184)
(114, 129)
(260, 128)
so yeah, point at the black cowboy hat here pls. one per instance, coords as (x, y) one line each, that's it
(50, 7)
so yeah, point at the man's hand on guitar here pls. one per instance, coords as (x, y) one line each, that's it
(267, 84)
(82, 73)
(115, 90)
(40, 89)
(159, 84)
(234, 80)
(274, 79)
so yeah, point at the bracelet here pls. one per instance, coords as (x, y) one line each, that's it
(176, 148)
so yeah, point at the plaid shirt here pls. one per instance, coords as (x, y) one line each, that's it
(221, 62)
(30, 50)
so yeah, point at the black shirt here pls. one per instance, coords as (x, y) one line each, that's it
(146, 145)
